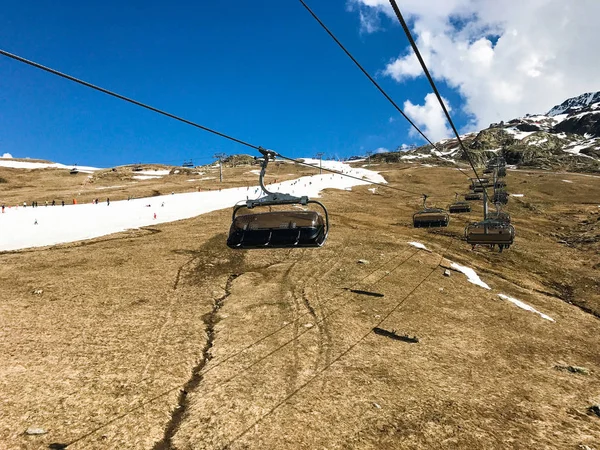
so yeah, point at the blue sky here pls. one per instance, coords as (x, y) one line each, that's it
(261, 71)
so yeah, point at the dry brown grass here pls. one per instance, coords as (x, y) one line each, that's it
(99, 358)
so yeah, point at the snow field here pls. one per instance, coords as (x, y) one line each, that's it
(58, 224)
(12, 164)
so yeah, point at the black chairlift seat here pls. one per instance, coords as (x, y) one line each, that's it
(500, 196)
(430, 217)
(74, 171)
(477, 186)
(499, 216)
(459, 207)
(188, 164)
(488, 170)
(490, 232)
(137, 168)
(277, 229)
(474, 196)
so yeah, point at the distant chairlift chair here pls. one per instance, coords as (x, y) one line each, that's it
(277, 229)
(470, 196)
(459, 207)
(500, 196)
(430, 217)
(499, 215)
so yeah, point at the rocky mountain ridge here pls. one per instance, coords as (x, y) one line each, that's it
(567, 137)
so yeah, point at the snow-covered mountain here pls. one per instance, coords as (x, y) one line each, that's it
(575, 103)
(566, 137)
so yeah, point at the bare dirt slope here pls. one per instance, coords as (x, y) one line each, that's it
(163, 338)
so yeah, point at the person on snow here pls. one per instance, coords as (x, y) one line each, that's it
(107, 201)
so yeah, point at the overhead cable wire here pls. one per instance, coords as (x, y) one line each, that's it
(385, 94)
(346, 175)
(122, 97)
(365, 72)
(338, 358)
(255, 343)
(434, 87)
(173, 116)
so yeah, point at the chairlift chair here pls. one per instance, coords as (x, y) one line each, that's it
(187, 163)
(474, 196)
(459, 207)
(499, 215)
(430, 217)
(74, 171)
(500, 196)
(277, 229)
(490, 232)
(485, 182)
(137, 168)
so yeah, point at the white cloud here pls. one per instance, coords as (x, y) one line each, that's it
(7, 155)
(381, 150)
(506, 58)
(429, 117)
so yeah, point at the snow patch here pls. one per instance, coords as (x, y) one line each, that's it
(72, 223)
(33, 165)
(472, 276)
(525, 306)
(567, 181)
(419, 245)
(145, 177)
(517, 195)
(519, 135)
(110, 187)
(154, 173)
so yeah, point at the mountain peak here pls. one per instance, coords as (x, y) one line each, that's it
(574, 103)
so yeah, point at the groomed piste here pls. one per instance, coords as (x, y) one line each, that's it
(25, 227)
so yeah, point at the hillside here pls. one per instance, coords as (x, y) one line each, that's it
(565, 138)
(161, 337)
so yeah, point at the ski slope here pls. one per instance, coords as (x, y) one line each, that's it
(70, 223)
(14, 164)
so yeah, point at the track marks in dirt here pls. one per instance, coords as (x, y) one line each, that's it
(178, 415)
